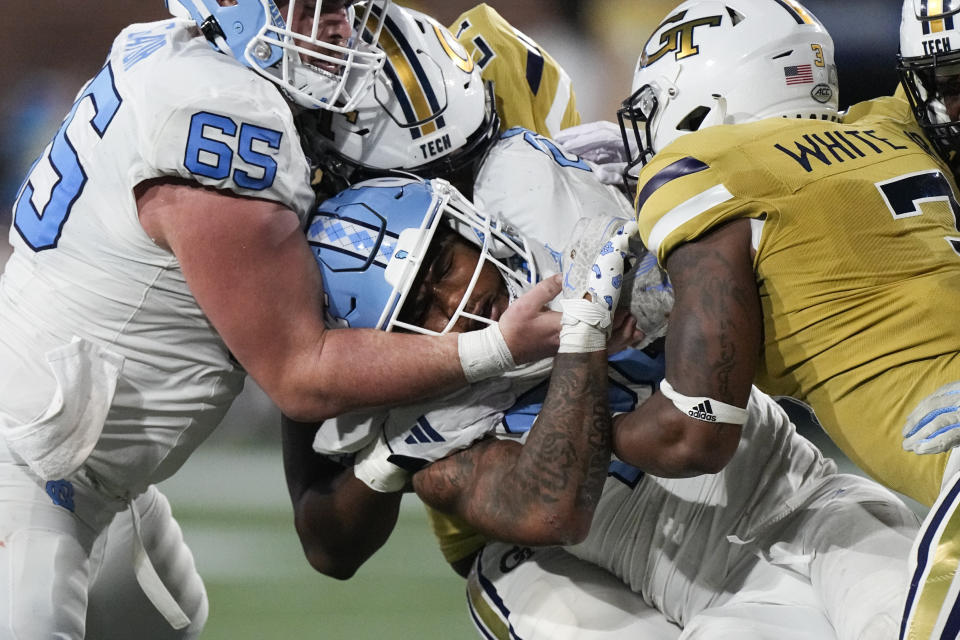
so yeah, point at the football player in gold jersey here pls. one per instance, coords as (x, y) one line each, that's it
(532, 91)
(817, 258)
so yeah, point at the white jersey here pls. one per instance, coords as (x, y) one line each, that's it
(777, 545)
(541, 190)
(679, 541)
(104, 352)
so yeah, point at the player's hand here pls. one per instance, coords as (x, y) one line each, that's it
(411, 439)
(591, 294)
(648, 294)
(579, 257)
(624, 332)
(610, 173)
(531, 331)
(600, 142)
(934, 425)
(609, 266)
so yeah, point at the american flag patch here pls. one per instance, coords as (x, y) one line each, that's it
(799, 74)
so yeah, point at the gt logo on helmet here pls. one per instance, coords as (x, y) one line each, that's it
(678, 38)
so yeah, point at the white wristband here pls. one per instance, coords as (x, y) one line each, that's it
(484, 353)
(372, 468)
(703, 408)
(584, 326)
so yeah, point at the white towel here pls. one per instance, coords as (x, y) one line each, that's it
(58, 442)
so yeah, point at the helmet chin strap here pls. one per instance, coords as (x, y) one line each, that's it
(208, 26)
(718, 115)
(937, 111)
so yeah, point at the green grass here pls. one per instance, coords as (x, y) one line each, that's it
(260, 585)
(404, 591)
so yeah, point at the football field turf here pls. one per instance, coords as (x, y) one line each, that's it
(235, 514)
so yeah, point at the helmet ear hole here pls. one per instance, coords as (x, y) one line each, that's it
(693, 120)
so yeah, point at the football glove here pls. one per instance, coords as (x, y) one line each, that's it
(648, 294)
(934, 425)
(587, 322)
(592, 244)
(600, 142)
(645, 290)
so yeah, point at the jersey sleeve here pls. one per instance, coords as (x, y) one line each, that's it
(682, 195)
(348, 433)
(895, 107)
(239, 139)
(457, 539)
(542, 190)
(531, 89)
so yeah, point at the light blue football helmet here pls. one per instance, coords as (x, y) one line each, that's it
(314, 73)
(371, 240)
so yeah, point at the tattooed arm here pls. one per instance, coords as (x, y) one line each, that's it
(544, 491)
(712, 347)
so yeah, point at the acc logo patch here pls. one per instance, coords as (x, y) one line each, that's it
(822, 93)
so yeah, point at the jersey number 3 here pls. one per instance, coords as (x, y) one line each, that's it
(39, 220)
(904, 194)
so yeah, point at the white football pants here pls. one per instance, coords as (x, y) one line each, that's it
(67, 563)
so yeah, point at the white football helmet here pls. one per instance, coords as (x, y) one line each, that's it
(429, 113)
(316, 70)
(724, 62)
(929, 67)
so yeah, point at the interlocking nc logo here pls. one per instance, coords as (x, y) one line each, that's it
(678, 38)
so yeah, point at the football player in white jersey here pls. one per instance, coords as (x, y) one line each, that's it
(811, 257)
(158, 258)
(777, 546)
(433, 113)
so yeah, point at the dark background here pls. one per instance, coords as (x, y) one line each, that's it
(53, 46)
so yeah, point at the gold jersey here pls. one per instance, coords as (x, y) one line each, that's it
(457, 538)
(857, 264)
(531, 90)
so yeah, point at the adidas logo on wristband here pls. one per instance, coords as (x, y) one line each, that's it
(703, 411)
